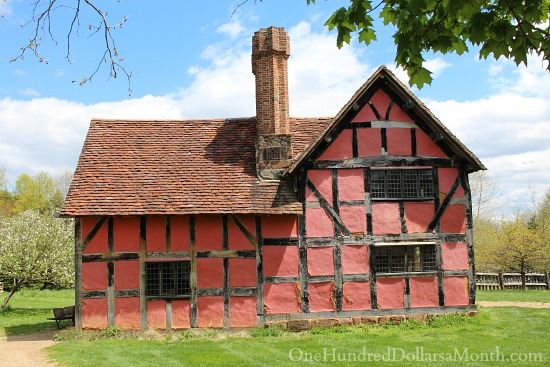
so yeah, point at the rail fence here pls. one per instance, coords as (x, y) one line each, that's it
(494, 281)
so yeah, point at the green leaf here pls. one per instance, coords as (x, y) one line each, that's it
(367, 35)
(420, 76)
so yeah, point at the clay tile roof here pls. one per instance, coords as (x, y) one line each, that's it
(179, 167)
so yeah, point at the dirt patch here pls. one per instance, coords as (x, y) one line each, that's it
(514, 304)
(26, 350)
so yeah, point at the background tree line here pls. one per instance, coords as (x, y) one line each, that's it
(519, 242)
(36, 247)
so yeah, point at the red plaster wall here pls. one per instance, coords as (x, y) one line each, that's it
(318, 223)
(179, 233)
(425, 146)
(210, 312)
(99, 243)
(397, 114)
(209, 273)
(365, 115)
(456, 291)
(321, 297)
(399, 141)
(281, 298)
(242, 272)
(355, 259)
(280, 260)
(209, 232)
(280, 226)
(390, 292)
(322, 180)
(242, 312)
(455, 255)
(351, 185)
(369, 142)
(356, 296)
(355, 218)
(418, 216)
(320, 261)
(236, 238)
(156, 229)
(381, 101)
(340, 148)
(424, 292)
(447, 177)
(126, 274)
(156, 314)
(94, 276)
(127, 313)
(94, 313)
(453, 219)
(385, 218)
(180, 314)
(126, 234)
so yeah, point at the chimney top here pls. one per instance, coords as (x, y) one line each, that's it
(270, 52)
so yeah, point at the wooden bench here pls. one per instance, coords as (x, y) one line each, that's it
(65, 313)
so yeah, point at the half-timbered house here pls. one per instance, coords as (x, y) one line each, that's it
(243, 222)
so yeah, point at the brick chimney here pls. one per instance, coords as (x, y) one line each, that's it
(270, 52)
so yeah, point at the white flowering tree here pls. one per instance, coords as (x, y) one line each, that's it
(35, 248)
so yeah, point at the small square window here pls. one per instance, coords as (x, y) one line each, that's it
(402, 184)
(405, 259)
(166, 279)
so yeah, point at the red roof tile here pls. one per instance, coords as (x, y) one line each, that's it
(179, 167)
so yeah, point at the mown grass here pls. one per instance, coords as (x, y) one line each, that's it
(514, 295)
(511, 330)
(28, 309)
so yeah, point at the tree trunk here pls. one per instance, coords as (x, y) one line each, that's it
(523, 285)
(14, 289)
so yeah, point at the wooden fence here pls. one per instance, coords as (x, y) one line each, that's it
(494, 281)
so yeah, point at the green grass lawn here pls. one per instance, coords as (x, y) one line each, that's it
(510, 329)
(514, 295)
(28, 309)
(503, 330)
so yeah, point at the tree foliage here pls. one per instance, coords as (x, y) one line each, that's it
(509, 28)
(520, 244)
(6, 197)
(39, 192)
(34, 249)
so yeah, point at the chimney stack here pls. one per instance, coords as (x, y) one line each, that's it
(270, 52)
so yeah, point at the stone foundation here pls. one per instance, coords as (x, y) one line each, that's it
(307, 324)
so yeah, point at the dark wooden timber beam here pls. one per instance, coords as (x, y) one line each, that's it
(90, 236)
(249, 236)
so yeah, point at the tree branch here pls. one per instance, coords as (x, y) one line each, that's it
(41, 18)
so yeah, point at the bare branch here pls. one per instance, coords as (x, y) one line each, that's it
(42, 19)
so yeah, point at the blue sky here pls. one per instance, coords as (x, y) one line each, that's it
(192, 59)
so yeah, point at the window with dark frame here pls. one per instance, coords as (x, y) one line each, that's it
(168, 278)
(402, 184)
(405, 259)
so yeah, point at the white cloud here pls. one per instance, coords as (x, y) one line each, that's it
(233, 28)
(322, 78)
(508, 131)
(30, 92)
(436, 66)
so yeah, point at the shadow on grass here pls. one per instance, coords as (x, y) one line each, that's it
(17, 322)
